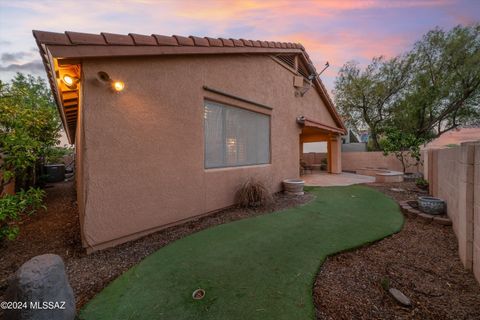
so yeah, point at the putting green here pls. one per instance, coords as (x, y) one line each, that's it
(258, 268)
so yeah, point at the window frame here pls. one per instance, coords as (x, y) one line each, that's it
(224, 146)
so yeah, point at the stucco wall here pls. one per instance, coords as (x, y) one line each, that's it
(476, 213)
(354, 147)
(314, 157)
(352, 161)
(454, 176)
(143, 149)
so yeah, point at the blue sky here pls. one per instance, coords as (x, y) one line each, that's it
(334, 31)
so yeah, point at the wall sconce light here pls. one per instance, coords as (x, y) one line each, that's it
(116, 85)
(70, 81)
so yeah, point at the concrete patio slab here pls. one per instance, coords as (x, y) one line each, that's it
(341, 179)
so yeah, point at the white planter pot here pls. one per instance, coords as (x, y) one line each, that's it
(293, 186)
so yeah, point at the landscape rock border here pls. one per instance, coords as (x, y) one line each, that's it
(411, 212)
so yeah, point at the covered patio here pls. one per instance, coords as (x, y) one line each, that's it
(314, 131)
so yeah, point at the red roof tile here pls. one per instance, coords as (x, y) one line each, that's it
(237, 43)
(46, 37)
(201, 42)
(143, 40)
(85, 38)
(214, 42)
(256, 43)
(247, 43)
(227, 42)
(184, 41)
(264, 44)
(165, 40)
(118, 39)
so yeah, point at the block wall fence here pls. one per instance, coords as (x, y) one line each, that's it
(352, 161)
(454, 176)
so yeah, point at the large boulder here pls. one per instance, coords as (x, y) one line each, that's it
(41, 285)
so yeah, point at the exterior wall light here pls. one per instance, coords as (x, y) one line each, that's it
(116, 85)
(69, 81)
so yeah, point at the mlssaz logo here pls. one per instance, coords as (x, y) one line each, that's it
(47, 305)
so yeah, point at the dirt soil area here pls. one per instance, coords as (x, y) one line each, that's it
(58, 231)
(421, 261)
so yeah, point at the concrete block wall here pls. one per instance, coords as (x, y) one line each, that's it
(314, 157)
(476, 212)
(454, 176)
(352, 161)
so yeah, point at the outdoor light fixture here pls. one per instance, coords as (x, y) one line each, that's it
(116, 85)
(70, 81)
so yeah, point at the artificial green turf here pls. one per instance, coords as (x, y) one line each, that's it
(258, 268)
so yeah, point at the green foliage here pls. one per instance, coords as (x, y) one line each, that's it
(12, 207)
(366, 98)
(421, 183)
(405, 147)
(444, 91)
(56, 154)
(29, 128)
(431, 89)
(385, 283)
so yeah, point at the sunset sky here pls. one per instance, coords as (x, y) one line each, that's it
(334, 31)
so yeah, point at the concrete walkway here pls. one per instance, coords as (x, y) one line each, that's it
(323, 179)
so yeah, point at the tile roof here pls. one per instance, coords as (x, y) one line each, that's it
(104, 38)
(77, 45)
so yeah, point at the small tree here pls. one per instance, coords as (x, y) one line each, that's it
(367, 97)
(405, 147)
(29, 128)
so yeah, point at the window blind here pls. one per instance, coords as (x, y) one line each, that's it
(235, 137)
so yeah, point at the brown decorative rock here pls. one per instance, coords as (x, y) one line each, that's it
(400, 297)
(411, 212)
(425, 217)
(42, 283)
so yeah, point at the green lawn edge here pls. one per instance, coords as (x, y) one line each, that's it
(257, 268)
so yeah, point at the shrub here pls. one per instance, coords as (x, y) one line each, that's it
(57, 154)
(29, 128)
(421, 183)
(253, 193)
(12, 207)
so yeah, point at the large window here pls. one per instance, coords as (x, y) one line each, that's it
(235, 137)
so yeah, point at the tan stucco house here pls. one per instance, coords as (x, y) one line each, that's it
(166, 128)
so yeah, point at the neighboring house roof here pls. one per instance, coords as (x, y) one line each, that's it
(70, 47)
(454, 137)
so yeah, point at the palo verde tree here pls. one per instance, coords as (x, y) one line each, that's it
(425, 92)
(444, 91)
(368, 97)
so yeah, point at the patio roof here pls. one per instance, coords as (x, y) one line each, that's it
(317, 125)
(64, 52)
